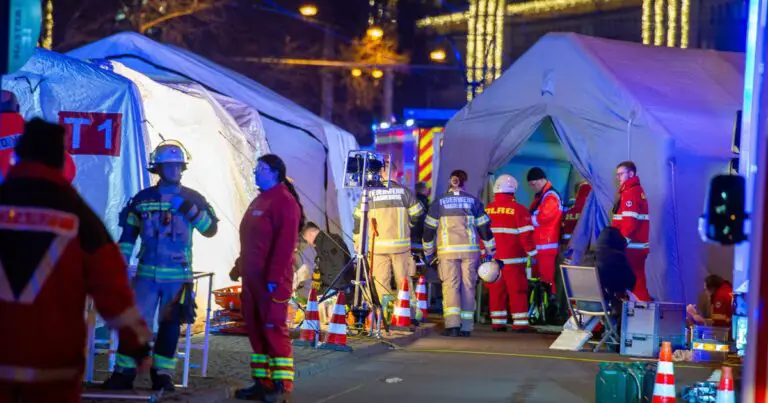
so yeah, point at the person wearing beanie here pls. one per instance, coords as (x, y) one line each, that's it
(547, 212)
(165, 216)
(54, 253)
(459, 217)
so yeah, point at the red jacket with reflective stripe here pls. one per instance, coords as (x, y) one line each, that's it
(54, 251)
(547, 210)
(512, 228)
(572, 215)
(630, 215)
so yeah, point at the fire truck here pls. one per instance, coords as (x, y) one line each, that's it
(415, 145)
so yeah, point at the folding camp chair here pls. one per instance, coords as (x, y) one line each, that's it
(587, 306)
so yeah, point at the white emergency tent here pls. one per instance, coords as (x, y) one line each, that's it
(221, 165)
(672, 111)
(55, 87)
(314, 150)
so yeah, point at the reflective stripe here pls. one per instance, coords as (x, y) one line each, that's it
(498, 313)
(404, 312)
(638, 246)
(520, 315)
(282, 374)
(634, 215)
(617, 217)
(430, 221)
(533, 253)
(520, 322)
(499, 321)
(567, 236)
(259, 373)
(392, 242)
(516, 231)
(158, 361)
(281, 362)
(123, 361)
(517, 260)
(126, 248)
(535, 221)
(490, 245)
(482, 220)
(452, 311)
(416, 209)
(24, 374)
(547, 246)
(467, 315)
(259, 359)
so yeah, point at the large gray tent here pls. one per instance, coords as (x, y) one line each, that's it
(672, 111)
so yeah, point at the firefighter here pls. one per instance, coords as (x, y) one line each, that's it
(630, 216)
(513, 230)
(394, 211)
(54, 251)
(573, 213)
(546, 210)
(164, 216)
(458, 218)
(269, 233)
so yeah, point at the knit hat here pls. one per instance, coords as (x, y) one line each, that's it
(535, 174)
(42, 142)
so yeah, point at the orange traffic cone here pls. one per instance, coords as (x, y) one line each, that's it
(421, 297)
(336, 335)
(401, 317)
(725, 392)
(310, 328)
(664, 389)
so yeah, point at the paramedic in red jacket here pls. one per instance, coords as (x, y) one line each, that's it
(630, 216)
(574, 212)
(269, 233)
(513, 230)
(547, 213)
(54, 252)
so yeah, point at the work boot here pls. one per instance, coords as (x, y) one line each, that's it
(451, 332)
(255, 393)
(120, 381)
(500, 329)
(465, 333)
(281, 393)
(161, 381)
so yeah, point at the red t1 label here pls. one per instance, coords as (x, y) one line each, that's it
(92, 133)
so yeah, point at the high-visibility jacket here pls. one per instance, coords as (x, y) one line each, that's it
(11, 128)
(453, 223)
(547, 212)
(512, 229)
(630, 215)
(573, 214)
(395, 210)
(166, 234)
(54, 252)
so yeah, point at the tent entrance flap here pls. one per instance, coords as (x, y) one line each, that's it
(542, 149)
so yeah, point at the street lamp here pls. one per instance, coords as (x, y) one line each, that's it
(308, 10)
(375, 32)
(437, 55)
(357, 72)
(376, 73)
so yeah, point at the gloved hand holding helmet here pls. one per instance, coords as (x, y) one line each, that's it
(490, 271)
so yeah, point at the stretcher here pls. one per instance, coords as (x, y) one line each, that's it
(95, 346)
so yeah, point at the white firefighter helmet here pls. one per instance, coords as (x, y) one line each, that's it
(167, 152)
(505, 184)
(490, 272)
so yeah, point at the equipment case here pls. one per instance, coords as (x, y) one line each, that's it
(644, 325)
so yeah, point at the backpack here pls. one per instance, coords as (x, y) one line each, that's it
(542, 307)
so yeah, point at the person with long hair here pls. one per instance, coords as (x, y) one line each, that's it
(269, 233)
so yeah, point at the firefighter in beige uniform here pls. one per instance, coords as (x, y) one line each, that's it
(391, 213)
(453, 222)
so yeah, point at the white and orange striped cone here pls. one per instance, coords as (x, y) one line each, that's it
(401, 316)
(310, 328)
(725, 392)
(336, 335)
(664, 389)
(421, 300)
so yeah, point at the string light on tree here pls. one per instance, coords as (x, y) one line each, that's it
(485, 42)
(47, 41)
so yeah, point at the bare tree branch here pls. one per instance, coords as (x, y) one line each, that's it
(181, 13)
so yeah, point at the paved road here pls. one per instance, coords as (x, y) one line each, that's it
(489, 367)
